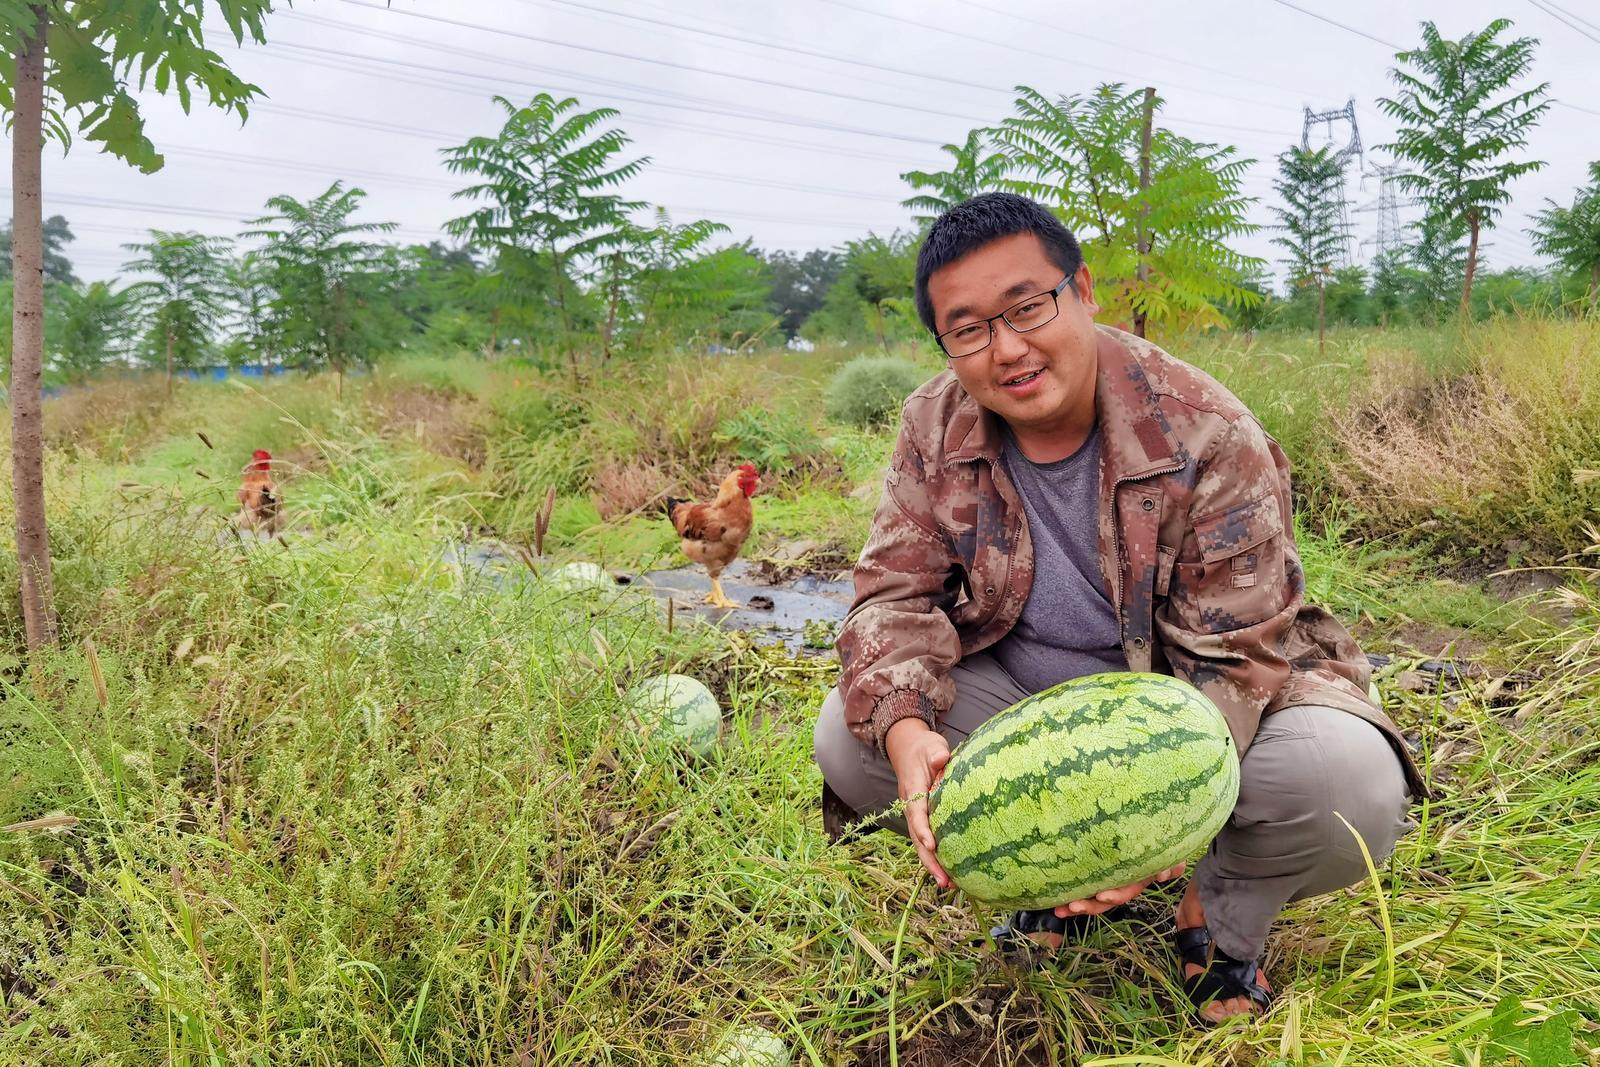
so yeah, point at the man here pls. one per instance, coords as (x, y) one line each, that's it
(1068, 499)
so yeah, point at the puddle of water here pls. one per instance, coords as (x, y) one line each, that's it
(805, 600)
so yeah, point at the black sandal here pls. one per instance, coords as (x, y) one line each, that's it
(1222, 977)
(1011, 937)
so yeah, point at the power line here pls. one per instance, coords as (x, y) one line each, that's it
(1342, 26)
(1571, 14)
(795, 49)
(1013, 47)
(1033, 20)
(774, 83)
(751, 78)
(1397, 48)
(707, 108)
(1552, 11)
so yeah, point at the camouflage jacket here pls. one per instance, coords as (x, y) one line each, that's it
(1196, 547)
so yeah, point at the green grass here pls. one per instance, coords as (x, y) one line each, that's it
(343, 804)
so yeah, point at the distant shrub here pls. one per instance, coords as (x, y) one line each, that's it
(869, 391)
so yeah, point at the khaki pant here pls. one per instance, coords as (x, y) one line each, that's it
(1282, 843)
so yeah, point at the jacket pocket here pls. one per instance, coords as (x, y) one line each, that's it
(1230, 533)
(1240, 577)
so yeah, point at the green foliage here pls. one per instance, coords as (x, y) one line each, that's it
(185, 302)
(544, 208)
(56, 233)
(330, 288)
(871, 299)
(101, 56)
(89, 329)
(1311, 184)
(667, 286)
(1458, 119)
(1079, 155)
(869, 390)
(1571, 235)
(349, 803)
(974, 168)
(800, 283)
(778, 440)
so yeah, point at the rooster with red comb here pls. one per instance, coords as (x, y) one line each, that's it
(259, 499)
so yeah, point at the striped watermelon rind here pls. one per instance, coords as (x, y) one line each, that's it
(750, 1046)
(582, 575)
(1095, 783)
(678, 710)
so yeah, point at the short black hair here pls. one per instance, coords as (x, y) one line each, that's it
(987, 217)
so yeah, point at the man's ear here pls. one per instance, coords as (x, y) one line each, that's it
(1083, 286)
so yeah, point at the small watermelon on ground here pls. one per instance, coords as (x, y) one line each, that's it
(677, 709)
(582, 575)
(750, 1046)
(1098, 782)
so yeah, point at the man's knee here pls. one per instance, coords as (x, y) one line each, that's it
(1313, 783)
(829, 735)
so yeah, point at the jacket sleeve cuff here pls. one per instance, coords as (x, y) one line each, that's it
(896, 705)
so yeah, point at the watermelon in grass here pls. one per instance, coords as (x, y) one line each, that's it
(678, 710)
(1095, 783)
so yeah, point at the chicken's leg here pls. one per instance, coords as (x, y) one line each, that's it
(717, 598)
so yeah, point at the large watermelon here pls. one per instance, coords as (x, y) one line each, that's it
(679, 710)
(1095, 783)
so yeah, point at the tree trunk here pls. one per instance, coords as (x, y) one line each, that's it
(1472, 267)
(1594, 288)
(494, 331)
(338, 341)
(170, 342)
(1322, 305)
(611, 311)
(1143, 271)
(877, 312)
(27, 340)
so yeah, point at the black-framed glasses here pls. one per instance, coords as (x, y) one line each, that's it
(1030, 313)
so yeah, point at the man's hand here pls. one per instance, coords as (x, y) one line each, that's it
(918, 756)
(1107, 899)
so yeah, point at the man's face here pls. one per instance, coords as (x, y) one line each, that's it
(1034, 380)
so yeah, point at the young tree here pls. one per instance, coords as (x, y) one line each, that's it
(1312, 232)
(323, 272)
(544, 212)
(88, 60)
(1571, 235)
(653, 265)
(1159, 252)
(255, 324)
(974, 169)
(1459, 119)
(91, 328)
(185, 299)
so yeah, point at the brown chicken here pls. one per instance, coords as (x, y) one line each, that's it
(260, 502)
(713, 533)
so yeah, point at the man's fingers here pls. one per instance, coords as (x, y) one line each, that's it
(930, 861)
(1175, 871)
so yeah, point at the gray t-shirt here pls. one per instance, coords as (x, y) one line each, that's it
(1069, 627)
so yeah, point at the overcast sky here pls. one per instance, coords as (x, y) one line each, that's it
(796, 141)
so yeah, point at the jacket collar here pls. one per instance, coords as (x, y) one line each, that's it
(1135, 439)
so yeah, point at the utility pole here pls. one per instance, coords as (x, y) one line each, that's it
(1143, 271)
(1350, 149)
(1387, 207)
